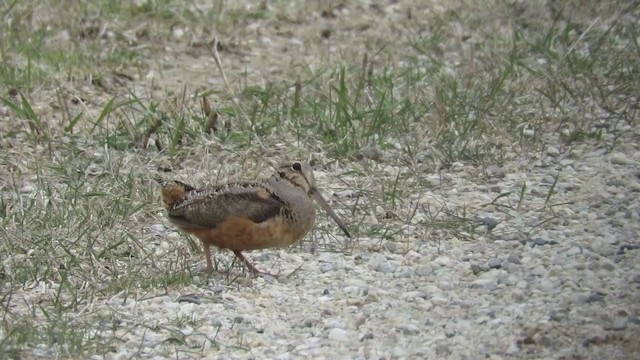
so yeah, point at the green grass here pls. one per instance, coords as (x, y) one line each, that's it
(82, 127)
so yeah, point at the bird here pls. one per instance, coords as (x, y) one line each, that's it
(240, 216)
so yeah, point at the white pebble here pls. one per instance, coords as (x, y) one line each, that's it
(618, 158)
(553, 151)
(157, 228)
(27, 189)
(338, 334)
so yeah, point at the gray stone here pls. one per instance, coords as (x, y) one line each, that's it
(548, 180)
(283, 356)
(424, 270)
(619, 158)
(372, 152)
(521, 237)
(478, 269)
(487, 283)
(443, 350)
(27, 189)
(326, 267)
(538, 241)
(575, 250)
(514, 258)
(494, 264)
(552, 151)
(409, 329)
(157, 228)
(615, 182)
(595, 297)
(489, 222)
(546, 285)
(338, 334)
(380, 264)
(496, 171)
(619, 324)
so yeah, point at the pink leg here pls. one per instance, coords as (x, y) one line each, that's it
(251, 267)
(207, 253)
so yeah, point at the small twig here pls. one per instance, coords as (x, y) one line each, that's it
(540, 224)
(522, 190)
(553, 186)
(216, 58)
(295, 270)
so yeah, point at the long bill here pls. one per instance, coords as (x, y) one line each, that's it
(323, 204)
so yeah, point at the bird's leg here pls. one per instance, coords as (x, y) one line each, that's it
(207, 253)
(251, 267)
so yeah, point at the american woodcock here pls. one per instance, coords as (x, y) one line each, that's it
(275, 212)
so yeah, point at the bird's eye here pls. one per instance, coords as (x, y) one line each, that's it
(296, 166)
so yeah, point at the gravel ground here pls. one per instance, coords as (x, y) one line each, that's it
(572, 290)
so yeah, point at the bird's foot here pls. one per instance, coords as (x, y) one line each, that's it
(251, 267)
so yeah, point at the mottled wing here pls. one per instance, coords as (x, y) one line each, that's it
(209, 208)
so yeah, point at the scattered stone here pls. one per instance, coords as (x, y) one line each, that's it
(595, 297)
(489, 222)
(548, 180)
(413, 255)
(283, 356)
(558, 316)
(521, 237)
(595, 340)
(408, 329)
(380, 263)
(513, 348)
(619, 158)
(552, 151)
(529, 340)
(338, 334)
(538, 242)
(514, 258)
(546, 285)
(189, 298)
(496, 171)
(539, 270)
(627, 247)
(390, 246)
(157, 228)
(325, 267)
(636, 278)
(478, 269)
(575, 250)
(94, 170)
(485, 282)
(619, 324)
(572, 187)
(494, 264)
(566, 162)
(346, 194)
(372, 152)
(27, 189)
(442, 350)
(424, 270)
